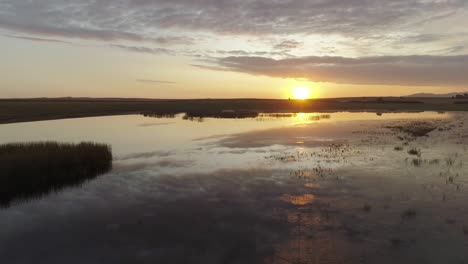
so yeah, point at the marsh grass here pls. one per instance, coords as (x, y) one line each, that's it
(29, 170)
(414, 151)
(398, 148)
(415, 129)
(417, 162)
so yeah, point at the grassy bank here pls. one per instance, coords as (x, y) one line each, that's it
(29, 170)
(23, 110)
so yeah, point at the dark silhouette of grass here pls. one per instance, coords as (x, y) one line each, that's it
(29, 170)
(22, 110)
(415, 129)
(417, 162)
(414, 151)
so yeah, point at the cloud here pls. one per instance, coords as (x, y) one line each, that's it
(138, 20)
(380, 70)
(142, 49)
(296, 27)
(154, 81)
(452, 50)
(287, 45)
(156, 124)
(250, 53)
(54, 18)
(37, 39)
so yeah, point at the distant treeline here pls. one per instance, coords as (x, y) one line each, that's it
(29, 170)
(460, 96)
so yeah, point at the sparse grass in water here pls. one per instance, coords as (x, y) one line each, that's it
(450, 161)
(417, 162)
(30, 170)
(414, 151)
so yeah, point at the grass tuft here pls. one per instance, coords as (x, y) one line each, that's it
(414, 151)
(29, 170)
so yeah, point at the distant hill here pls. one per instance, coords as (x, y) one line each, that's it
(432, 95)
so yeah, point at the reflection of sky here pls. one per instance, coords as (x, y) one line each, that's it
(136, 134)
(169, 186)
(175, 145)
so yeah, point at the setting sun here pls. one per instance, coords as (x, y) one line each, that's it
(301, 92)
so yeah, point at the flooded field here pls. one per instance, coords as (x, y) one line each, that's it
(274, 188)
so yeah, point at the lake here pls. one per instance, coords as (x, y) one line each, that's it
(339, 187)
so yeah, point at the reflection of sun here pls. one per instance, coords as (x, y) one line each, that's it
(298, 200)
(301, 92)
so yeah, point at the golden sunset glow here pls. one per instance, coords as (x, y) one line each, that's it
(301, 93)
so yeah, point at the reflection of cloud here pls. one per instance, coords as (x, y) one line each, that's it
(305, 136)
(174, 163)
(165, 163)
(165, 219)
(236, 151)
(155, 124)
(410, 70)
(145, 155)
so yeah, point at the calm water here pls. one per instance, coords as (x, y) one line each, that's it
(304, 188)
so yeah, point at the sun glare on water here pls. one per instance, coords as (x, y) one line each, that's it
(301, 93)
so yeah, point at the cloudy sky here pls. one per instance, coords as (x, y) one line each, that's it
(232, 48)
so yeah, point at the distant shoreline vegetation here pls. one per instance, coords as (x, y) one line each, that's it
(28, 110)
(30, 170)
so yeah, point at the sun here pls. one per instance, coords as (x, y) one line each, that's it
(301, 92)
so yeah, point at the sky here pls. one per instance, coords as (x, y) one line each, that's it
(232, 48)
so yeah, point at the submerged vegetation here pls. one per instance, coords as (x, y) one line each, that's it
(34, 169)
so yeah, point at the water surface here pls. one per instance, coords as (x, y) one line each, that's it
(297, 188)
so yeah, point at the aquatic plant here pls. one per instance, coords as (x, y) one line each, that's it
(30, 170)
(398, 148)
(417, 162)
(414, 151)
(450, 161)
(415, 128)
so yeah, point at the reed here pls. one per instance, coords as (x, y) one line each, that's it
(29, 170)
